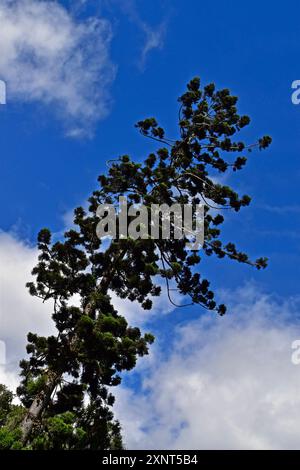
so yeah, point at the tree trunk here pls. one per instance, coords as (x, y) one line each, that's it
(38, 405)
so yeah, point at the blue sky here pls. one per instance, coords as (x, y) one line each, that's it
(252, 51)
(149, 52)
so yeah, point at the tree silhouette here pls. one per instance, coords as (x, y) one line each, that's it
(64, 390)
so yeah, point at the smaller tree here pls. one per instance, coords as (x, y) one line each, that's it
(11, 417)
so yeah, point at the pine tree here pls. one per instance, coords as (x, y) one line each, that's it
(66, 382)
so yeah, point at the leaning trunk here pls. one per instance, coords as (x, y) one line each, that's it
(38, 405)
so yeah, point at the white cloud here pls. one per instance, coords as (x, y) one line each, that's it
(19, 312)
(228, 383)
(137, 316)
(154, 40)
(47, 56)
(154, 35)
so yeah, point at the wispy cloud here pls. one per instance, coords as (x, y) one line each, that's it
(154, 40)
(281, 210)
(154, 35)
(48, 56)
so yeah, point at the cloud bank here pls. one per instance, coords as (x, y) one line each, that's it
(19, 312)
(228, 383)
(49, 57)
(225, 383)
